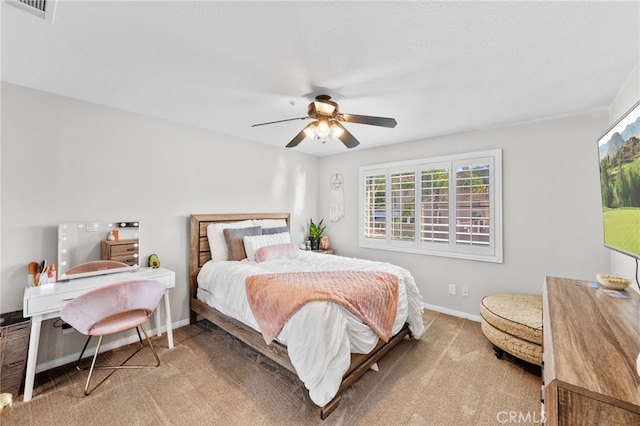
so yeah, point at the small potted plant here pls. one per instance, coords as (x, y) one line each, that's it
(315, 233)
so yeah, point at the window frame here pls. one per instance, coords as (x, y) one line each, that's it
(491, 252)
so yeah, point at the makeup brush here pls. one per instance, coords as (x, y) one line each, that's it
(32, 269)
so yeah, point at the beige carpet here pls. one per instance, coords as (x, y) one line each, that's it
(449, 377)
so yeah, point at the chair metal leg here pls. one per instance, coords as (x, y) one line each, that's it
(82, 353)
(115, 367)
(93, 363)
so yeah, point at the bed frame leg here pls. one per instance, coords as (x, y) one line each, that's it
(328, 409)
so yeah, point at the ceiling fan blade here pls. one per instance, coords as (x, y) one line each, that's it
(347, 138)
(300, 136)
(281, 121)
(368, 119)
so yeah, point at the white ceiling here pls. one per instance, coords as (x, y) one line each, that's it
(437, 67)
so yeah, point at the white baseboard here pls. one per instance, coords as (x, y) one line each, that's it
(67, 359)
(460, 314)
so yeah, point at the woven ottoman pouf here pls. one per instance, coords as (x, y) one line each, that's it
(513, 324)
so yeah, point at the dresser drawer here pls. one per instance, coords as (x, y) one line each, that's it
(128, 258)
(15, 341)
(14, 344)
(169, 280)
(125, 251)
(53, 302)
(51, 299)
(12, 376)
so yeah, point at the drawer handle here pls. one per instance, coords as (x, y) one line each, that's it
(66, 300)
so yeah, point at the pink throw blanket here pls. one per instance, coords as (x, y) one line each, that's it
(372, 296)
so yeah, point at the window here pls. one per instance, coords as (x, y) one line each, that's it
(446, 206)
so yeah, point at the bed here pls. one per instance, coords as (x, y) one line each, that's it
(337, 361)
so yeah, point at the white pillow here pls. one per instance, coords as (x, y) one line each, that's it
(270, 223)
(253, 243)
(217, 243)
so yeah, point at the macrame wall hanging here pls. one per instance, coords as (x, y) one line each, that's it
(336, 207)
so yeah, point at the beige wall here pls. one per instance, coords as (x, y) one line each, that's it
(65, 160)
(627, 97)
(551, 209)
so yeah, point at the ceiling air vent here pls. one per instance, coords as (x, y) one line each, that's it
(44, 9)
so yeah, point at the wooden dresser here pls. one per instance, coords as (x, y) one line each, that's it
(121, 250)
(591, 342)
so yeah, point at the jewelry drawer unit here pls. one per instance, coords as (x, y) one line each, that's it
(45, 302)
(121, 250)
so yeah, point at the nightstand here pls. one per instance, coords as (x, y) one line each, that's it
(323, 251)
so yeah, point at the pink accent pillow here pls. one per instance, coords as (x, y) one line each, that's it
(278, 251)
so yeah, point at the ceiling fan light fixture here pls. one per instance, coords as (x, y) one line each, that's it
(310, 131)
(322, 128)
(327, 124)
(336, 131)
(324, 108)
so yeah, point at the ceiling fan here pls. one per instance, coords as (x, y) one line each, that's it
(328, 122)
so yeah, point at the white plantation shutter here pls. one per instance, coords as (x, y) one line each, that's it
(403, 202)
(449, 206)
(375, 205)
(473, 204)
(434, 203)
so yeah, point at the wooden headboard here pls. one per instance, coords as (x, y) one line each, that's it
(200, 252)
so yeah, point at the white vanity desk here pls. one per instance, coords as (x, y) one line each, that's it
(42, 303)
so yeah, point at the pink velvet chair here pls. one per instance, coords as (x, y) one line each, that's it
(113, 309)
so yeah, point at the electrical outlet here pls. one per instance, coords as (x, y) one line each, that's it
(452, 289)
(465, 291)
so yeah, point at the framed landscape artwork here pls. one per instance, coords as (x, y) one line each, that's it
(619, 156)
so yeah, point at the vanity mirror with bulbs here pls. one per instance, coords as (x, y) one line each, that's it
(96, 248)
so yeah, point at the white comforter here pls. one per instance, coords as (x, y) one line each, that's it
(321, 335)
